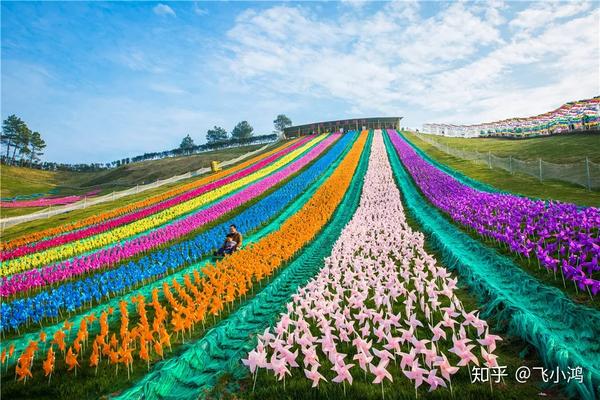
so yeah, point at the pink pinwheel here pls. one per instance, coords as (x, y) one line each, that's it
(380, 371)
(490, 341)
(310, 356)
(279, 367)
(363, 359)
(407, 358)
(383, 355)
(416, 374)
(414, 322)
(255, 359)
(343, 373)
(393, 343)
(434, 381)
(489, 359)
(464, 352)
(446, 369)
(314, 375)
(437, 332)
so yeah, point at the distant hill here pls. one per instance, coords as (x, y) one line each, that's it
(24, 181)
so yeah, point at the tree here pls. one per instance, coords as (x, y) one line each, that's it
(22, 142)
(37, 145)
(242, 130)
(281, 122)
(187, 144)
(11, 127)
(216, 134)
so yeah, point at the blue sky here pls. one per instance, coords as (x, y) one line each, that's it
(103, 81)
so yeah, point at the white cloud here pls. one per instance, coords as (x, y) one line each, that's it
(462, 63)
(163, 9)
(199, 10)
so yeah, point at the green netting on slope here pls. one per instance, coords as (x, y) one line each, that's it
(565, 334)
(197, 369)
(94, 329)
(451, 171)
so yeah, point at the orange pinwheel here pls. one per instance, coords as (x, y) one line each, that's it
(22, 370)
(59, 340)
(71, 360)
(48, 364)
(158, 348)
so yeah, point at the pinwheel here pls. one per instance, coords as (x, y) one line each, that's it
(48, 364)
(95, 219)
(74, 295)
(558, 236)
(192, 202)
(391, 308)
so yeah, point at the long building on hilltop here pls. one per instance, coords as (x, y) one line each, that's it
(344, 125)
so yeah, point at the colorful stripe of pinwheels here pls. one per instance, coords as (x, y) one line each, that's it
(107, 238)
(80, 265)
(132, 217)
(559, 236)
(188, 304)
(48, 201)
(95, 219)
(379, 298)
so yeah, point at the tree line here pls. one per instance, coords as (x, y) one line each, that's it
(18, 139)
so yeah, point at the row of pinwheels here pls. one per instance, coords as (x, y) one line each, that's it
(142, 213)
(101, 217)
(558, 236)
(177, 308)
(170, 216)
(380, 305)
(73, 295)
(47, 201)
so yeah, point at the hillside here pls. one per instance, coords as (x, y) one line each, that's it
(21, 181)
(24, 181)
(558, 149)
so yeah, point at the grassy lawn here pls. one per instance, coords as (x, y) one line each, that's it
(558, 149)
(177, 166)
(518, 183)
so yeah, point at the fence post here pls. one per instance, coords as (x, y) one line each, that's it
(587, 173)
(541, 178)
(490, 159)
(113, 195)
(84, 201)
(510, 164)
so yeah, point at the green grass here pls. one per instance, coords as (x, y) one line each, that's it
(560, 149)
(518, 183)
(60, 219)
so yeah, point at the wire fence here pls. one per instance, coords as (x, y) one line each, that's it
(584, 173)
(82, 204)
